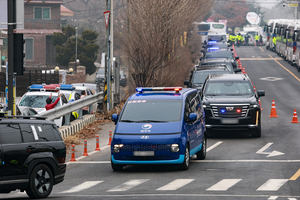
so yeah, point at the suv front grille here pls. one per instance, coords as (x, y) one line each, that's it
(230, 111)
(146, 147)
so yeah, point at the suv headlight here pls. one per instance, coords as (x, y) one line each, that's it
(117, 148)
(175, 148)
(253, 106)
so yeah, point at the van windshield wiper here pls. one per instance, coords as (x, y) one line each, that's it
(130, 121)
(154, 121)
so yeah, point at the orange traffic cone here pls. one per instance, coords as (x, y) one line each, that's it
(260, 104)
(273, 110)
(110, 138)
(295, 118)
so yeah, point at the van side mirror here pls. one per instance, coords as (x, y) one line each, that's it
(114, 118)
(237, 57)
(187, 83)
(200, 59)
(260, 93)
(231, 49)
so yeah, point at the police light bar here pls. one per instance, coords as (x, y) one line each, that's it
(67, 87)
(52, 87)
(35, 87)
(211, 42)
(141, 90)
(214, 48)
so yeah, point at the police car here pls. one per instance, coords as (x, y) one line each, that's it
(36, 99)
(159, 126)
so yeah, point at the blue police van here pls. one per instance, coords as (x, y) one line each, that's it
(163, 125)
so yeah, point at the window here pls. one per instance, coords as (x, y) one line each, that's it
(46, 132)
(37, 101)
(203, 27)
(63, 98)
(41, 13)
(26, 133)
(28, 48)
(10, 133)
(218, 26)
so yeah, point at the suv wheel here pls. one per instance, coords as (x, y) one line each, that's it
(116, 167)
(186, 162)
(40, 182)
(202, 153)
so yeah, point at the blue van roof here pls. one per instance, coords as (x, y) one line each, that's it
(162, 94)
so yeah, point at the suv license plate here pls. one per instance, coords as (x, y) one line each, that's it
(230, 121)
(143, 153)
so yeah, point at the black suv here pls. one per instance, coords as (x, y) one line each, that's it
(230, 103)
(32, 155)
(219, 61)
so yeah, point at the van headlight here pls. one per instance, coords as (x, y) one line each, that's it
(117, 148)
(175, 148)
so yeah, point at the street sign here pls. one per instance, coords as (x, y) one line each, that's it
(292, 5)
(19, 14)
(106, 17)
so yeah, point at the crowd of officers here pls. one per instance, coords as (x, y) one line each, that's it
(239, 38)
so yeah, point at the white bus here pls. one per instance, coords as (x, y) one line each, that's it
(206, 29)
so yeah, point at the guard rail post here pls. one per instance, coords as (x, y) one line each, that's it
(90, 108)
(80, 113)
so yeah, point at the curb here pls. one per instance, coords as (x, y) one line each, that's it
(76, 126)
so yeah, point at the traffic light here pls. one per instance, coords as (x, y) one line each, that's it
(19, 54)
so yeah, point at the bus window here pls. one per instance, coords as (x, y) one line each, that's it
(218, 26)
(203, 27)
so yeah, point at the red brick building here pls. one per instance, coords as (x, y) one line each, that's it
(42, 18)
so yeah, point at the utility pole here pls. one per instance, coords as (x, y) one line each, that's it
(76, 36)
(11, 19)
(108, 56)
(111, 23)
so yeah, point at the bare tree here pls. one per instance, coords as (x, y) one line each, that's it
(152, 34)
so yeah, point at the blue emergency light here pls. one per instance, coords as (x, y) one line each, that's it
(35, 87)
(211, 42)
(67, 87)
(214, 48)
(141, 90)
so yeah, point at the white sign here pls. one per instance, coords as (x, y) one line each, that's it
(106, 17)
(252, 18)
(103, 60)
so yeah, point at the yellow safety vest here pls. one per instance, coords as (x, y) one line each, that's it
(257, 37)
(274, 40)
(75, 114)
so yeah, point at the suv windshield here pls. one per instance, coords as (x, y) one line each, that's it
(219, 54)
(37, 101)
(200, 76)
(228, 88)
(153, 110)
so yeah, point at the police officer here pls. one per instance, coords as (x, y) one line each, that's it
(256, 39)
(232, 38)
(240, 39)
(247, 39)
(274, 42)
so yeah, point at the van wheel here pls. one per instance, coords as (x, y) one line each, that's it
(116, 167)
(202, 153)
(186, 162)
(40, 182)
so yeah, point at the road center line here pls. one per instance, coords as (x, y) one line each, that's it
(296, 175)
(213, 146)
(286, 69)
(261, 49)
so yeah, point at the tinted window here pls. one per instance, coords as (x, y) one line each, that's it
(219, 54)
(218, 26)
(217, 37)
(26, 133)
(10, 133)
(152, 110)
(228, 88)
(63, 98)
(45, 132)
(200, 76)
(77, 96)
(36, 101)
(203, 27)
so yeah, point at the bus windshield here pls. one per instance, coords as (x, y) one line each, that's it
(204, 27)
(218, 26)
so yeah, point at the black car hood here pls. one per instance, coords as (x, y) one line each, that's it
(229, 100)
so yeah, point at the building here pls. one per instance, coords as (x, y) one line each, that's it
(42, 18)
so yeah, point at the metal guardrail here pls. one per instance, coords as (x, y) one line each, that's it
(66, 109)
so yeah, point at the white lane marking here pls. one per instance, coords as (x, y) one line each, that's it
(90, 153)
(272, 197)
(213, 146)
(82, 186)
(204, 161)
(174, 185)
(292, 199)
(128, 185)
(270, 154)
(272, 185)
(224, 185)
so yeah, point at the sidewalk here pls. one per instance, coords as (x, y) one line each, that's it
(91, 143)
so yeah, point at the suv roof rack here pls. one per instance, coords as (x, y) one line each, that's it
(24, 117)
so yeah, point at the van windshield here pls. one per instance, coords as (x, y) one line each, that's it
(153, 110)
(37, 101)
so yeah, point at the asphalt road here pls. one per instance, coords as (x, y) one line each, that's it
(237, 166)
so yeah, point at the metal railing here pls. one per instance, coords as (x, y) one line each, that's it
(67, 109)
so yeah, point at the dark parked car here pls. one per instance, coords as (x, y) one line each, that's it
(223, 54)
(219, 61)
(230, 103)
(32, 155)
